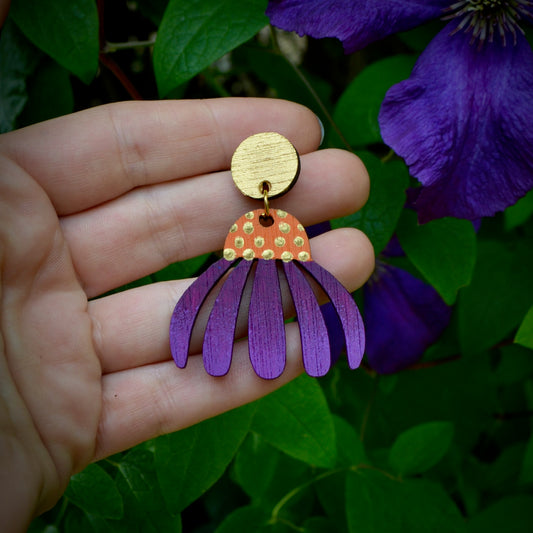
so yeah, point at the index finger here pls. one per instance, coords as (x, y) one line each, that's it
(87, 158)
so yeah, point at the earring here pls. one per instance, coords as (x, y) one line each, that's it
(266, 244)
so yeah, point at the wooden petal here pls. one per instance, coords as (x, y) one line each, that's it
(187, 308)
(266, 328)
(346, 308)
(313, 331)
(220, 329)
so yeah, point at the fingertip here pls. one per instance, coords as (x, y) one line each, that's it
(347, 253)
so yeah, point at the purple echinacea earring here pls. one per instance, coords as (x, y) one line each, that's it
(266, 244)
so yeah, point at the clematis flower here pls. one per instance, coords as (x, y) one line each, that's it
(462, 119)
(403, 317)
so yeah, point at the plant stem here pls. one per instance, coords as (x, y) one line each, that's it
(290, 495)
(310, 88)
(121, 77)
(113, 47)
(107, 61)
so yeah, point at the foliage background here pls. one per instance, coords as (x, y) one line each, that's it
(442, 446)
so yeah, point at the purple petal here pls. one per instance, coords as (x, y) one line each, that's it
(266, 327)
(187, 308)
(318, 229)
(220, 329)
(355, 22)
(346, 308)
(313, 332)
(462, 124)
(403, 316)
(393, 248)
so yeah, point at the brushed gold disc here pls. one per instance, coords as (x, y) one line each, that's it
(265, 157)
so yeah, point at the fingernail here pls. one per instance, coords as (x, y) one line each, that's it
(322, 131)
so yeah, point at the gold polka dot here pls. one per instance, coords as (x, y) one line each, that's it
(229, 254)
(248, 254)
(248, 228)
(249, 215)
(239, 242)
(233, 228)
(259, 242)
(281, 214)
(268, 254)
(299, 241)
(303, 256)
(286, 256)
(300, 227)
(279, 241)
(284, 227)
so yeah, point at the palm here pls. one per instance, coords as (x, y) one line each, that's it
(84, 378)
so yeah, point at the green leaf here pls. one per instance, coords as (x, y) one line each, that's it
(328, 490)
(419, 37)
(518, 213)
(281, 78)
(247, 519)
(421, 447)
(94, 491)
(357, 110)
(78, 521)
(50, 94)
(443, 250)
(318, 524)
(18, 58)
(144, 504)
(511, 515)
(195, 33)
(498, 297)
(524, 335)
(255, 465)
(526, 470)
(378, 218)
(189, 461)
(350, 449)
(376, 503)
(515, 364)
(296, 419)
(67, 30)
(181, 269)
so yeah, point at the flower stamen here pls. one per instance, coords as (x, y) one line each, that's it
(484, 18)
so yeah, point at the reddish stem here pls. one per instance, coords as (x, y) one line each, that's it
(121, 77)
(110, 63)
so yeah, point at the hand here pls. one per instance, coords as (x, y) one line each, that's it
(94, 200)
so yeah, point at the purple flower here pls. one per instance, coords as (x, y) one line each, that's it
(403, 317)
(461, 121)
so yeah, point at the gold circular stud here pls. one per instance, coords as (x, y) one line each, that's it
(229, 254)
(265, 157)
(248, 254)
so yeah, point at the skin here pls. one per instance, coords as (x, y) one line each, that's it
(94, 200)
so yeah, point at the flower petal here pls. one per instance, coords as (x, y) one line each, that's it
(355, 22)
(346, 308)
(220, 329)
(313, 331)
(266, 327)
(462, 124)
(187, 308)
(403, 316)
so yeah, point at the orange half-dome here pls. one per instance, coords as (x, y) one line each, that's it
(278, 236)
